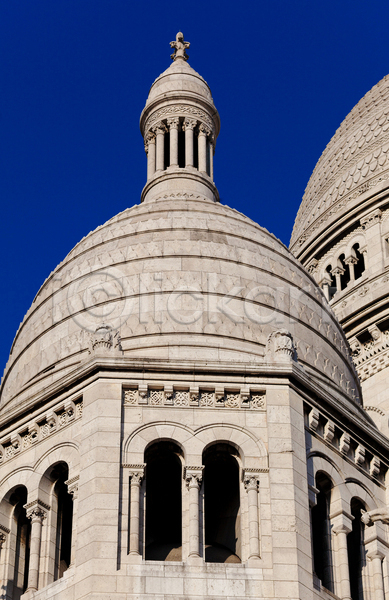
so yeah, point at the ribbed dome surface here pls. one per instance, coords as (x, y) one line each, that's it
(355, 160)
(179, 78)
(181, 278)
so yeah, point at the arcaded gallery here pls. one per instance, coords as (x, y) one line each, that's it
(218, 428)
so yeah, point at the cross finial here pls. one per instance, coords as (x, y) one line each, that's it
(179, 47)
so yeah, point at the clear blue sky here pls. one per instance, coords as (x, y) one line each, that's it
(74, 77)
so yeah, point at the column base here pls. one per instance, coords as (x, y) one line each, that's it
(195, 560)
(254, 561)
(134, 558)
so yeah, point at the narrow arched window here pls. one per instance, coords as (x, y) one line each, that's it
(163, 502)
(63, 542)
(321, 533)
(22, 532)
(360, 265)
(332, 287)
(356, 550)
(345, 276)
(222, 504)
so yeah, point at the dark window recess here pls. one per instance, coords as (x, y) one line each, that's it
(181, 149)
(345, 277)
(221, 505)
(208, 155)
(64, 506)
(23, 538)
(321, 534)
(166, 141)
(195, 150)
(332, 287)
(359, 268)
(355, 548)
(163, 502)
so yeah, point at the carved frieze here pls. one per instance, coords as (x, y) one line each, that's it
(190, 397)
(180, 110)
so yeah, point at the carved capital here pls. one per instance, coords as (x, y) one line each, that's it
(193, 476)
(3, 539)
(280, 346)
(73, 487)
(250, 480)
(136, 473)
(159, 128)
(377, 514)
(173, 122)
(189, 123)
(36, 510)
(204, 130)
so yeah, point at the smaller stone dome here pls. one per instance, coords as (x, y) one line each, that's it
(178, 78)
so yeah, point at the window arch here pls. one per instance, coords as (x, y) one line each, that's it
(345, 275)
(163, 502)
(222, 504)
(321, 533)
(21, 534)
(63, 505)
(356, 550)
(359, 268)
(332, 287)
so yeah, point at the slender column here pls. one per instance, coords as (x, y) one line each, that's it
(376, 558)
(36, 515)
(73, 491)
(341, 532)
(150, 150)
(351, 261)
(251, 484)
(136, 480)
(173, 128)
(203, 133)
(193, 478)
(160, 130)
(211, 157)
(189, 125)
(337, 272)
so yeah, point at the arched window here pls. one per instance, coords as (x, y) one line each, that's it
(63, 505)
(163, 502)
(359, 268)
(321, 533)
(356, 550)
(345, 276)
(221, 504)
(332, 287)
(21, 533)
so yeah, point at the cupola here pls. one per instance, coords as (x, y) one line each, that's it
(179, 125)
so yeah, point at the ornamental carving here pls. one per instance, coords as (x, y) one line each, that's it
(180, 47)
(178, 110)
(280, 346)
(371, 219)
(3, 539)
(193, 476)
(189, 123)
(250, 480)
(105, 339)
(173, 122)
(377, 514)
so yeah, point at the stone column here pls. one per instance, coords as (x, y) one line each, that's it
(337, 272)
(376, 558)
(351, 261)
(211, 157)
(341, 531)
(173, 128)
(160, 131)
(251, 484)
(36, 514)
(136, 477)
(189, 125)
(73, 491)
(150, 150)
(193, 478)
(203, 133)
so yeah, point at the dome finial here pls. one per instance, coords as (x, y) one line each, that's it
(179, 47)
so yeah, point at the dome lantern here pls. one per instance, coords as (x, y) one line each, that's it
(180, 125)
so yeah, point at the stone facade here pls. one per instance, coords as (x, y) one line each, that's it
(180, 413)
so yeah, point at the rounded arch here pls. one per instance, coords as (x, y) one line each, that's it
(359, 238)
(65, 452)
(320, 463)
(357, 489)
(14, 479)
(139, 440)
(251, 449)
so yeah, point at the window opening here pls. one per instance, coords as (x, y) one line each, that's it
(163, 502)
(321, 533)
(345, 276)
(166, 149)
(64, 525)
(221, 505)
(355, 548)
(181, 148)
(23, 538)
(332, 286)
(195, 149)
(359, 268)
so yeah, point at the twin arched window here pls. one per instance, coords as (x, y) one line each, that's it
(219, 519)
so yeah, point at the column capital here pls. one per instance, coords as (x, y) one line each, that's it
(204, 130)
(371, 218)
(173, 122)
(189, 123)
(73, 486)
(251, 479)
(159, 128)
(136, 473)
(372, 554)
(36, 510)
(193, 476)
(3, 539)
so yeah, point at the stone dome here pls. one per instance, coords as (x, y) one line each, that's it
(355, 161)
(179, 78)
(180, 279)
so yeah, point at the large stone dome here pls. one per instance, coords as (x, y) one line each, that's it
(181, 279)
(355, 161)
